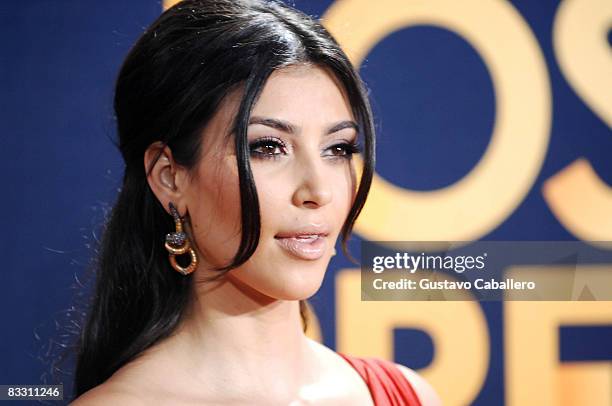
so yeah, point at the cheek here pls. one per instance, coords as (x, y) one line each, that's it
(216, 218)
(345, 188)
(274, 194)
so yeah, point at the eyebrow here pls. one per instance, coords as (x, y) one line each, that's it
(289, 128)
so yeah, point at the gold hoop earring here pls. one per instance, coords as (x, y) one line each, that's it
(178, 244)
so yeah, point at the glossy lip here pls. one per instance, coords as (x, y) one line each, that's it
(307, 249)
(297, 243)
(311, 229)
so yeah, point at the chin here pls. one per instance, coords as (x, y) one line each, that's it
(301, 294)
(282, 280)
(299, 287)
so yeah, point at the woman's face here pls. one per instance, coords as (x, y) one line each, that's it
(299, 139)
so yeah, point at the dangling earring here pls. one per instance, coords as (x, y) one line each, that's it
(178, 244)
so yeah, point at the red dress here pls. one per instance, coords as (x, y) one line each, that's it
(387, 384)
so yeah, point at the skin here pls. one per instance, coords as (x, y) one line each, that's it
(242, 341)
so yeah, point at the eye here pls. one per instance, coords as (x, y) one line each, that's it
(267, 147)
(344, 150)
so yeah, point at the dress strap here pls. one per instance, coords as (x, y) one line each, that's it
(387, 384)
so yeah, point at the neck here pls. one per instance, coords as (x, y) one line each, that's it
(228, 320)
(231, 334)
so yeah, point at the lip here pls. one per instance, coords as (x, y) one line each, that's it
(311, 229)
(309, 249)
(308, 242)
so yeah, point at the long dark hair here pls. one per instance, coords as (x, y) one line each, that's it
(169, 86)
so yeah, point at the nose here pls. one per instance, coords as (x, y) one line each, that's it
(314, 188)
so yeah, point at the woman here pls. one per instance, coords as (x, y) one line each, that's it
(237, 121)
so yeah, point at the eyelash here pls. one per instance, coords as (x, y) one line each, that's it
(350, 148)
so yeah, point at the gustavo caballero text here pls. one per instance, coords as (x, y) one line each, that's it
(427, 284)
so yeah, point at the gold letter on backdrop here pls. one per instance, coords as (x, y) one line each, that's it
(487, 195)
(169, 3)
(458, 330)
(577, 196)
(534, 374)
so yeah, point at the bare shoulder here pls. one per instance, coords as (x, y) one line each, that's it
(426, 393)
(106, 394)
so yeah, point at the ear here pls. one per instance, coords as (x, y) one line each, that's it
(166, 178)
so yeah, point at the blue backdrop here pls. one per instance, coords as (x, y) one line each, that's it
(435, 108)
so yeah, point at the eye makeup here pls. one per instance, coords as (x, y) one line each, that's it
(273, 148)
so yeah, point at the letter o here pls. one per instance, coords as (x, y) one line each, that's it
(486, 196)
